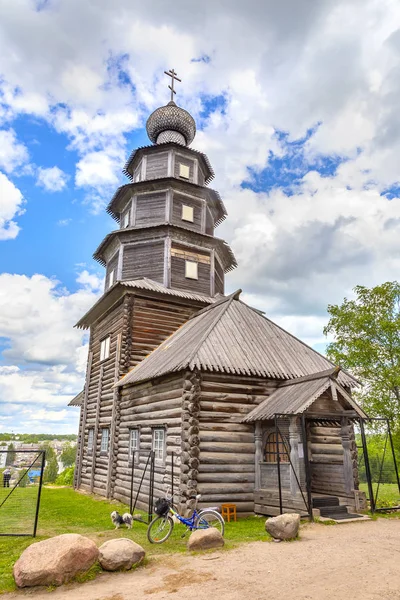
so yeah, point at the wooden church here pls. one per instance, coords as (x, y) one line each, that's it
(251, 414)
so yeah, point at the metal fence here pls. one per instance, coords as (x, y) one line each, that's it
(21, 478)
(378, 468)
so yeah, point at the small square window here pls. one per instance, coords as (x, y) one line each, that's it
(184, 171)
(159, 444)
(105, 348)
(111, 278)
(125, 220)
(133, 442)
(90, 439)
(105, 436)
(191, 269)
(187, 213)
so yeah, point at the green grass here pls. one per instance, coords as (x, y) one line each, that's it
(65, 511)
(388, 494)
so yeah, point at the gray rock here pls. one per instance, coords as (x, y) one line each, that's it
(204, 539)
(120, 553)
(55, 561)
(283, 527)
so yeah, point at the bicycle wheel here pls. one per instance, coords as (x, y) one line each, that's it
(160, 529)
(210, 518)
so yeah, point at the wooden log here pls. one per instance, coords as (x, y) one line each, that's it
(327, 458)
(325, 448)
(226, 447)
(223, 458)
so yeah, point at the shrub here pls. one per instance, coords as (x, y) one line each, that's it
(66, 477)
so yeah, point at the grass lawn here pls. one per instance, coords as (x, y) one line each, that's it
(388, 494)
(65, 511)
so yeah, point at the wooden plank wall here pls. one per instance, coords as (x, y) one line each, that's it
(180, 159)
(157, 165)
(219, 278)
(100, 400)
(227, 448)
(150, 209)
(112, 264)
(209, 222)
(145, 406)
(144, 260)
(153, 321)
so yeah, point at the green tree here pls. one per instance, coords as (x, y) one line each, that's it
(66, 477)
(11, 455)
(51, 470)
(366, 334)
(68, 455)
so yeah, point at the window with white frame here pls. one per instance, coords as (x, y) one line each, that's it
(133, 442)
(125, 220)
(184, 171)
(187, 213)
(111, 277)
(159, 443)
(191, 269)
(105, 436)
(105, 348)
(90, 439)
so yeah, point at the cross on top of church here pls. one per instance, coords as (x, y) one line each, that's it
(171, 73)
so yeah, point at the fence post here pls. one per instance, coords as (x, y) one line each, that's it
(39, 493)
(367, 467)
(278, 464)
(393, 454)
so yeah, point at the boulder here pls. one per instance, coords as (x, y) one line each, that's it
(120, 553)
(55, 561)
(204, 539)
(283, 527)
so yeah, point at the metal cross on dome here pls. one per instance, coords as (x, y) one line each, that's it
(171, 73)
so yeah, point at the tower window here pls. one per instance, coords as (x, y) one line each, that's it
(125, 220)
(187, 213)
(105, 348)
(105, 436)
(184, 171)
(111, 278)
(191, 269)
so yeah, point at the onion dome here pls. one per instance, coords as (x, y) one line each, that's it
(171, 123)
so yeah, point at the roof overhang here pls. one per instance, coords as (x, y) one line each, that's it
(296, 396)
(78, 400)
(124, 193)
(229, 260)
(137, 154)
(143, 287)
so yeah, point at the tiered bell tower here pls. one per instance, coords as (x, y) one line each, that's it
(167, 213)
(163, 264)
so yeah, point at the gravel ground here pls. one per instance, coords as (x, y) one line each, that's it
(354, 561)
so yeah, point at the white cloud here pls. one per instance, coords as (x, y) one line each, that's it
(45, 356)
(52, 179)
(11, 203)
(13, 154)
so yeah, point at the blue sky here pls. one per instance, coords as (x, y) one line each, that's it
(299, 118)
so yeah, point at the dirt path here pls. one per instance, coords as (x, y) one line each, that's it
(358, 561)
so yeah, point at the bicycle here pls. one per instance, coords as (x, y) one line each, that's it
(161, 526)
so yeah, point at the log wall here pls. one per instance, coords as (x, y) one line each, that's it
(226, 470)
(145, 407)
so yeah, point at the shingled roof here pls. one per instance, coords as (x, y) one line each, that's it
(297, 395)
(231, 337)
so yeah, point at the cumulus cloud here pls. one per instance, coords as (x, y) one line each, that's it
(52, 179)
(11, 205)
(44, 356)
(13, 154)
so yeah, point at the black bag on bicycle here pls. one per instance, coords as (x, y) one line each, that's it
(161, 507)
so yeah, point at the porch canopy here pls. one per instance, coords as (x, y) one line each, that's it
(296, 396)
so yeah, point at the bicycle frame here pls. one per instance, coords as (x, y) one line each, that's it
(190, 523)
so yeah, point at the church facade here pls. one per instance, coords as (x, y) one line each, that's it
(250, 414)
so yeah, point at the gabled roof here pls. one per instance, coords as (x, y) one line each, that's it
(117, 291)
(231, 337)
(78, 400)
(296, 396)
